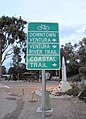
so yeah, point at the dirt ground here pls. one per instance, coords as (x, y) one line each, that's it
(71, 108)
(62, 108)
(68, 109)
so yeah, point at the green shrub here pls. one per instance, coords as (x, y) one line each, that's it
(73, 91)
(82, 86)
(76, 78)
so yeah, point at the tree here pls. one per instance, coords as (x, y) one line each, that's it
(76, 59)
(11, 32)
(4, 70)
(16, 57)
(71, 59)
(82, 52)
(17, 71)
(82, 57)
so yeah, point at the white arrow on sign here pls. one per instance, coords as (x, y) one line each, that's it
(54, 40)
(54, 46)
(54, 64)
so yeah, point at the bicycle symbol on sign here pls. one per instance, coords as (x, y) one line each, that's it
(42, 28)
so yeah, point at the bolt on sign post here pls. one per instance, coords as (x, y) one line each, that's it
(43, 52)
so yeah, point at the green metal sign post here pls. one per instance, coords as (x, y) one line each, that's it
(43, 46)
(43, 51)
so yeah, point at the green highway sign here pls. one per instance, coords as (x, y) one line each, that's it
(39, 49)
(43, 62)
(35, 26)
(43, 52)
(43, 36)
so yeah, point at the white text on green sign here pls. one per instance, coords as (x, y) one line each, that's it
(43, 46)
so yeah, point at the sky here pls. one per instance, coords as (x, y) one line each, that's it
(69, 14)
